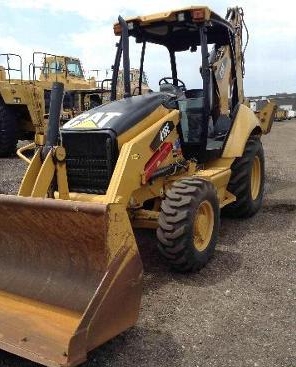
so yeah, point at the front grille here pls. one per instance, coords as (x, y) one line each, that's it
(91, 158)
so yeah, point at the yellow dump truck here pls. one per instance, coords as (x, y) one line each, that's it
(24, 103)
(105, 83)
(281, 115)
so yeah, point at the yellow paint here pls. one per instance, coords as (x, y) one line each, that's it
(219, 176)
(44, 178)
(203, 226)
(31, 174)
(256, 178)
(62, 180)
(85, 124)
(126, 177)
(245, 122)
(266, 116)
(168, 16)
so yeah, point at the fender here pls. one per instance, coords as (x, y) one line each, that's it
(244, 123)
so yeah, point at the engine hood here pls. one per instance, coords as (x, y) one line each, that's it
(118, 116)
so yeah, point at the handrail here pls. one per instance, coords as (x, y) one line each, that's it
(23, 149)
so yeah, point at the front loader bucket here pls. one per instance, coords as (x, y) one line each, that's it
(70, 277)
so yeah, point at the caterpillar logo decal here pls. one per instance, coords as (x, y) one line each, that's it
(163, 133)
(87, 120)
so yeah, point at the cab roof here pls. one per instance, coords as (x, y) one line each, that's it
(178, 29)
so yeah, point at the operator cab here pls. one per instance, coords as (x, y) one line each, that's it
(54, 66)
(206, 108)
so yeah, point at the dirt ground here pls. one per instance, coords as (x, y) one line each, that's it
(239, 311)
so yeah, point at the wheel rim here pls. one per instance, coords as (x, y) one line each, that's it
(256, 178)
(203, 225)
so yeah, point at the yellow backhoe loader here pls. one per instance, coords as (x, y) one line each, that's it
(70, 272)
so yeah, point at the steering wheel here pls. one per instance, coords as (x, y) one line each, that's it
(169, 80)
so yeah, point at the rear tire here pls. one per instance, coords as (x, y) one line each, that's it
(189, 224)
(247, 181)
(8, 130)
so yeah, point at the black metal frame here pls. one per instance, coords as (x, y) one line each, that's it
(8, 69)
(205, 36)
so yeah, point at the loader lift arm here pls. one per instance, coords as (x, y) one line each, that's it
(48, 163)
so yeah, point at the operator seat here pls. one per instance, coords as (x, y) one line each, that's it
(192, 115)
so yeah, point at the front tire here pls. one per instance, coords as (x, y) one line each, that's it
(189, 224)
(247, 181)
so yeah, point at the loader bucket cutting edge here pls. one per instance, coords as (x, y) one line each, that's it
(70, 277)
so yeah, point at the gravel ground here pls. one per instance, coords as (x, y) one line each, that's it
(239, 311)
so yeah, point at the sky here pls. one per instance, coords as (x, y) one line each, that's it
(84, 29)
